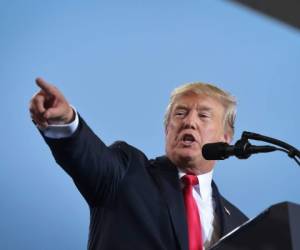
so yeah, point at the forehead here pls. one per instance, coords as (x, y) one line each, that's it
(198, 101)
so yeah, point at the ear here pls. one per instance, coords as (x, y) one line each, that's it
(166, 127)
(227, 137)
(166, 130)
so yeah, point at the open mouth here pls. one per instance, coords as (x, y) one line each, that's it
(188, 139)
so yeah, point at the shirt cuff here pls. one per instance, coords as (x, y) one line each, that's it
(62, 130)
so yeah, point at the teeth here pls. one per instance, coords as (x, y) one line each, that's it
(188, 142)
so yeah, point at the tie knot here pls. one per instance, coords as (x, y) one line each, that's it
(190, 180)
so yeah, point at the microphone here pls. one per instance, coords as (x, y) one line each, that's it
(242, 150)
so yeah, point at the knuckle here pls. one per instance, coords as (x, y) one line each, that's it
(32, 108)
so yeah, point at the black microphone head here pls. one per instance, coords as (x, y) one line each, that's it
(215, 151)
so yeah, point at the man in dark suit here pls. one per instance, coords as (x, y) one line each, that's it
(136, 203)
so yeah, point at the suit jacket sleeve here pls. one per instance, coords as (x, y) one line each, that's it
(95, 168)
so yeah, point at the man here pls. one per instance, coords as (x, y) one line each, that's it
(170, 202)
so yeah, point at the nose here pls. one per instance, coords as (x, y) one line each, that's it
(190, 121)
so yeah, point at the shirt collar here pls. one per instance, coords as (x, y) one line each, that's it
(204, 188)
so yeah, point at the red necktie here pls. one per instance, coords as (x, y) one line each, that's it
(192, 214)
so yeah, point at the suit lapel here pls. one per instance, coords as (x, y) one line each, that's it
(222, 211)
(166, 176)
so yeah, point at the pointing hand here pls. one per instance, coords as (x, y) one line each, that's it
(49, 106)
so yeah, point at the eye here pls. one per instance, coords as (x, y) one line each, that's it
(204, 115)
(180, 112)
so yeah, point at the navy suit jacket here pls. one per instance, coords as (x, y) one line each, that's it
(135, 203)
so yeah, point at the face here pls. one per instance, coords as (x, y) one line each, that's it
(194, 121)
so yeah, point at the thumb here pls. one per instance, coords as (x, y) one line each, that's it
(52, 113)
(59, 115)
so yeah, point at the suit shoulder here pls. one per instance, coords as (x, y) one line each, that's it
(122, 145)
(128, 151)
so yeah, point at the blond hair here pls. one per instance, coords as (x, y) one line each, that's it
(226, 99)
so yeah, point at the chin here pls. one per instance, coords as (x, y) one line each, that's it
(189, 153)
(184, 156)
(188, 158)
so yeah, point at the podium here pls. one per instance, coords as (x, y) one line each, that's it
(276, 228)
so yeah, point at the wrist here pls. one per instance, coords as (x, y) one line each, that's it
(70, 117)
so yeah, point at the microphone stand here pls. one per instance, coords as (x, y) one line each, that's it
(243, 146)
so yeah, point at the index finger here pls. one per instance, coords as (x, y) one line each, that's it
(48, 88)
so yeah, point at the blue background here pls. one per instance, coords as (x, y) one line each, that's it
(117, 62)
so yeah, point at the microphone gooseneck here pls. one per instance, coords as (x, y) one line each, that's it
(242, 149)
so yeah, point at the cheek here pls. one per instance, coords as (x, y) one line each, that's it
(171, 134)
(171, 138)
(212, 133)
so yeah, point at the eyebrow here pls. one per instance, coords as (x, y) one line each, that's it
(180, 106)
(201, 108)
(204, 108)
